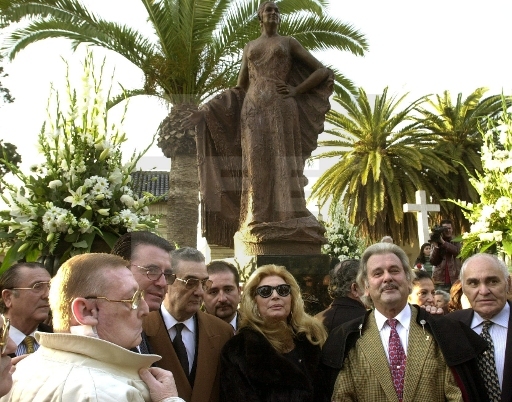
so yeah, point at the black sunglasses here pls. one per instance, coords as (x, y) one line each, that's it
(267, 290)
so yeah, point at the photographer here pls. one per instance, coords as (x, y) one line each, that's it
(444, 256)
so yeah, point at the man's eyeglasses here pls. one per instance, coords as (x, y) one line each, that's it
(267, 290)
(135, 300)
(4, 335)
(38, 287)
(191, 283)
(154, 273)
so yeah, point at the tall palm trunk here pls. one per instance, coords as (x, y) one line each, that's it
(183, 201)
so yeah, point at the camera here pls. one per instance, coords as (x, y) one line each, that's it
(437, 233)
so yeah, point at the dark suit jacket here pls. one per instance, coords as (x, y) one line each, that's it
(466, 316)
(213, 333)
(341, 310)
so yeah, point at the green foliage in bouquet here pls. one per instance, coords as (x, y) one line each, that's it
(82, 189)
(491, 218)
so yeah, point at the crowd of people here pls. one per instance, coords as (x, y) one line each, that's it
(149, 322)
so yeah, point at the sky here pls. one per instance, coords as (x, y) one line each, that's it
(415, 47)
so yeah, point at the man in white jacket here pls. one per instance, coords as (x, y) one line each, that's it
(97, 318)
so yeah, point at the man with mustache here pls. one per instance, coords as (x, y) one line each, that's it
(150, 262)
(25, 287)
(221, 299)
(398, 351)
(188, 340)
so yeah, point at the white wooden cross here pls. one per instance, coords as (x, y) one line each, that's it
(422, 209)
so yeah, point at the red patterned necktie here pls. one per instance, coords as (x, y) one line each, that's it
(397, 359)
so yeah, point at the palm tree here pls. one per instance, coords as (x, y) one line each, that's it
(382, 159)
(456, 127)
(195, 52)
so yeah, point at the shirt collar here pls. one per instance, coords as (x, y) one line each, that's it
(17, 336)
(233, 321)
(170, 321)
(501, 318)
(403, 317)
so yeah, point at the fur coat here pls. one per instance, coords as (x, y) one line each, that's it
(253, 371)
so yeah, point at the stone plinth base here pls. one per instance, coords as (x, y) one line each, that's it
(281, 247)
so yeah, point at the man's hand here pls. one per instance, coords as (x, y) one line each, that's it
(160, 383)
(433, 310)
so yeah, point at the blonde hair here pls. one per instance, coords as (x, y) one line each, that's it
(80, 276)
(298, 321)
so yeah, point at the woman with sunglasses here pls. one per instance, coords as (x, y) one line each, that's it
(275, 355)
(7, 347)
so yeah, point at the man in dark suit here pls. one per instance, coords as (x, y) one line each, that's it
(149, 256)
(188, 340)
(344, 290)
(486, 281)
(25, 288)
(223, 297)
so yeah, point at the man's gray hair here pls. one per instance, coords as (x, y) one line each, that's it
(185, 254)
(446, 295)
(342, 277)
(382, 248)
(499, 264)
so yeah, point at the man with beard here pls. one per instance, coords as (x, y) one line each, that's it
(25, 287)
(188, 340)
(149, 256)
(221, 299)
(429, 357)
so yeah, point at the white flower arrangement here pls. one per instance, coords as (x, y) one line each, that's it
(491, 218)
(341, 235)
(82, 189)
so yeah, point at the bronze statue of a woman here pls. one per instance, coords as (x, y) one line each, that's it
(253, 141)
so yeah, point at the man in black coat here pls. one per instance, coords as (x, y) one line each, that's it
(344, 290)
(486, 281)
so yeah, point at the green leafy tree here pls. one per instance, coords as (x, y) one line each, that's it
(456, 129)
(382, 157)
(194, 53)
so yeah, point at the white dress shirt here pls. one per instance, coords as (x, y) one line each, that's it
(498, 332)
(187, 334)
(402, 327)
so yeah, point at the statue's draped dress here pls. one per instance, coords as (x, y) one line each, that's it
(253, 148)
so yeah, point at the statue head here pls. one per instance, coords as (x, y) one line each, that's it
(268, 6)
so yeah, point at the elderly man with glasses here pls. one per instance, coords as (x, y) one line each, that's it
(188, 340)
(25, 287)
(97, 311)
